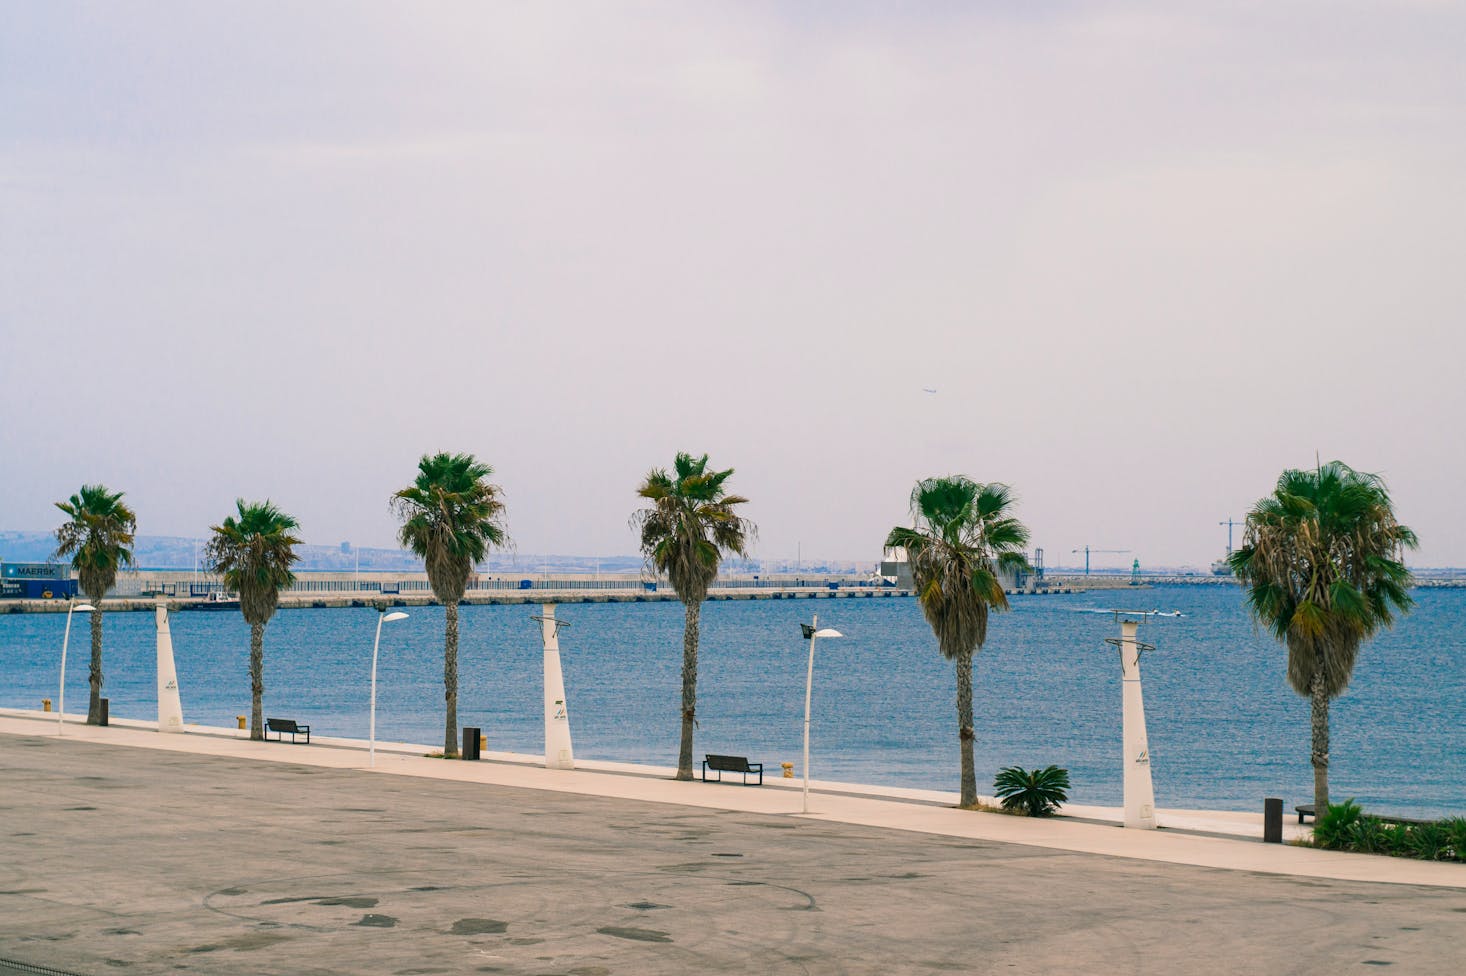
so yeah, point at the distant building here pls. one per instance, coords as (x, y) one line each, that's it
(896, 565)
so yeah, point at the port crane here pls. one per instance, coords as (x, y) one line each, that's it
(1230, 523)
(1223, 566)
(1087, 550)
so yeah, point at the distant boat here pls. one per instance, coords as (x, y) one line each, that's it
(1221, 568)
(214, 601)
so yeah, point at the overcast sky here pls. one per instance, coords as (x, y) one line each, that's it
(1147, 256)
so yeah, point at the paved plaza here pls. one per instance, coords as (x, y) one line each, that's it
(118, 859)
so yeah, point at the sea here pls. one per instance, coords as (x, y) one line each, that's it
(1225, 730)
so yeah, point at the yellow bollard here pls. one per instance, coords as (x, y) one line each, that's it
(240, 719)
(788, 770)
(483, 743)
(45, 704)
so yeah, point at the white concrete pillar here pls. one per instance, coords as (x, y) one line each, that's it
(170, 705)
(558, 751)
(1139, 791)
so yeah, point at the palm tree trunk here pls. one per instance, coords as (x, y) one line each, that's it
(450, 682)
(257, 682)
(964, 726)
(1320, 719)
(689, 689)
(94, 704)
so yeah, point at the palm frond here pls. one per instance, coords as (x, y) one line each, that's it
(97, 536)
(963, 535)
(451, 517)
(254, 552)
(690, 525)
(1322, 562)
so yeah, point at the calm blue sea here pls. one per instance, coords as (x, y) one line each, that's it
(1224, 728)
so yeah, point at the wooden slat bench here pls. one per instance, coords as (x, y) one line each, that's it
(731, 764)
(280, 726)
(1306, 810)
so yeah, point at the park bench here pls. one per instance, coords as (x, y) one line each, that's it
(1402, 821)
(1306, 810)
(282, 725)
(731, 764)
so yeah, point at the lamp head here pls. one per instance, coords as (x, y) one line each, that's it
(83, 608)
(395, 615)
(809, 631)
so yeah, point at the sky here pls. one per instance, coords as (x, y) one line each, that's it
(1147, 255)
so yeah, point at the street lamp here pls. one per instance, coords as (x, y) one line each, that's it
(1139, 788)
(66, 639)
(382, 617)
(810, 632)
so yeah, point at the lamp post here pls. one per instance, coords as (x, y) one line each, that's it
(810, 632)
(382, 617)
(559, 753)
(1139, 788)
(66, 639)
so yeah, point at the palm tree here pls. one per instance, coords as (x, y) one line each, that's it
(98, 538)
(962, 538)
(1322, 561)
(254, 554)
(689, 527)
(451, 515)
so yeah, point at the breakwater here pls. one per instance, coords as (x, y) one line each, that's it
(586, 592)
(324, 601)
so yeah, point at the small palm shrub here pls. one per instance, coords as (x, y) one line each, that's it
(1038, 793)
(1331, 827)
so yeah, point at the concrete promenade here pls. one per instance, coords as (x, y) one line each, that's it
(125, 850)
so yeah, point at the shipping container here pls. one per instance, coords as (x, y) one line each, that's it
(53, 589)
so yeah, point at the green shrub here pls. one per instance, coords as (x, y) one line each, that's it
(1371, 835)
(1345, 827)
(1455, 828)
(1429, 841)
(1331, 827)
(1038, 793)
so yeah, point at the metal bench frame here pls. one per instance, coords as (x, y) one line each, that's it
(282, 725)
(731, 764)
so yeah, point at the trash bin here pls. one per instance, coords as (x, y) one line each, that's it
(102, 712)
(470, 742)
(1272, 820)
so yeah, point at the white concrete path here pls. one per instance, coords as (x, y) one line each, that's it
(1217, 839)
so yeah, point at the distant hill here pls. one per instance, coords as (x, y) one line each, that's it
(179, 552)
